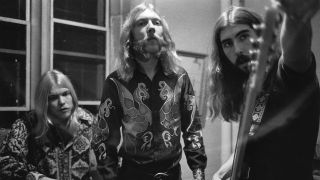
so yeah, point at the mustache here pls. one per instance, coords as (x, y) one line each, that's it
(242, 59)
(139, 45)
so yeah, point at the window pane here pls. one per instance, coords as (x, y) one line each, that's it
(12, 36)
(12, 79)
(13, 9)
(76, 39)
(86, 74)
(86, 11)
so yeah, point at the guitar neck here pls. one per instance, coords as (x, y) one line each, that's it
(243, 134)
(254, 87)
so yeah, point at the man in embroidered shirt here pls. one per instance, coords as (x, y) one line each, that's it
(152, 100)
(54, 141)
(285, 125)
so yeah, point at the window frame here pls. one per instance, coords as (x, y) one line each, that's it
(47, 40)
(27, 54)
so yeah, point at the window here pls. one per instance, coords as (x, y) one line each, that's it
(80, 33)
(14, 55)
(36, 36)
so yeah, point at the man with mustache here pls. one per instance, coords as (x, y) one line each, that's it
(148, 102)
(285, 120)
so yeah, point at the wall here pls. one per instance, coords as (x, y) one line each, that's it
(190, 22)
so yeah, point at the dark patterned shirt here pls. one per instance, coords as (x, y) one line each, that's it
(22, 155)
(152, 114)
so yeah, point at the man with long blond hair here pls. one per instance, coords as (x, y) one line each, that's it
(149, 101)
(57, 140)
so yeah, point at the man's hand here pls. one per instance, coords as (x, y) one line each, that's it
(37, 176)
(297, 9)
(225, 170)
(221, 175)
(198, 174)
(216, 176)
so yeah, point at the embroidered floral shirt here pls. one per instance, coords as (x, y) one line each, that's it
(152, 115)
(22, 155)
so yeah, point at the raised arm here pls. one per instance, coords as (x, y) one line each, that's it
(296, 33)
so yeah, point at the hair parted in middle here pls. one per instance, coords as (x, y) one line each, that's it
(126, 62)
(50, 79)
(226, 93)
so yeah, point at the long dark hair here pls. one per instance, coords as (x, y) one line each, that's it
(226, 81)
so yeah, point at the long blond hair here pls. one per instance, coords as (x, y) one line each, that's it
(48, 80)
(126, 63)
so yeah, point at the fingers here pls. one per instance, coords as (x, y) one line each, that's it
(297, 9)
